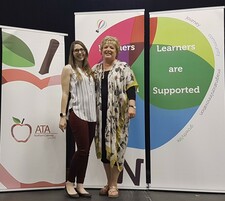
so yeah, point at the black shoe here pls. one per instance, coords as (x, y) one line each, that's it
(72, 195)
(84, 195)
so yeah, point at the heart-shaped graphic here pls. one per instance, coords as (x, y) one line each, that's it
(11, 75)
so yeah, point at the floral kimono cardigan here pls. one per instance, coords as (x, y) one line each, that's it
(120, 79)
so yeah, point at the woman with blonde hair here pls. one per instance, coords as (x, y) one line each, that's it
(115, 99)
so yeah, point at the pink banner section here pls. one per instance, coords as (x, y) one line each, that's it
(11, 183)
(11, 75)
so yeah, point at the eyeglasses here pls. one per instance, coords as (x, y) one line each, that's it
(78, 50)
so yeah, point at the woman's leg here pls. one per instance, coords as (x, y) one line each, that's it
(114, 176)
(80, 130)
(107, 172)
(70, 189)
(104, 190)
(81, 172)
(113, 189)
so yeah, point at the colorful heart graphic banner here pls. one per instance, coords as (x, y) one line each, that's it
(32, 148)
(187, 110)
(128, 27)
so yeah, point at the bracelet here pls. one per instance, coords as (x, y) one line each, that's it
(133, 106)
(62, 114)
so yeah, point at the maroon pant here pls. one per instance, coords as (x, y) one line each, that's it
(83, 133)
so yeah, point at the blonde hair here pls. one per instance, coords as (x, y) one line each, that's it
(111, 40)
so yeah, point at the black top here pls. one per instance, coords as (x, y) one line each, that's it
(130, 92)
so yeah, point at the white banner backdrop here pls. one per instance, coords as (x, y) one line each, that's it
(128, 27)
(187, 115)
(32, 151)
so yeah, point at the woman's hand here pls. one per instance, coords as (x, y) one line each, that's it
(131, 112)
(62, 123)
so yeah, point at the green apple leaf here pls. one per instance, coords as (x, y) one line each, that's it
(15, 52)
(17, 121)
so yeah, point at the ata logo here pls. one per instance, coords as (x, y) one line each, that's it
(20, 131)
(44, 131)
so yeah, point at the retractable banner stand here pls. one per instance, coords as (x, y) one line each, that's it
(32, 148)
(187, 114)
(128, 27)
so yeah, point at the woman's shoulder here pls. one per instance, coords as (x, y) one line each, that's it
(68, 68)
(96, 66)
(122, 64)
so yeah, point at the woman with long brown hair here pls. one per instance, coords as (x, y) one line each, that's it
(77, 80)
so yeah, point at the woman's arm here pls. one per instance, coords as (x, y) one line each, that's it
(65, 80)
(131, 94)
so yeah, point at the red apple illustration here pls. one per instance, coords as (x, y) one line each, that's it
(21, 132)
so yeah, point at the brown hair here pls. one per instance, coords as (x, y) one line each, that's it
(85, 66)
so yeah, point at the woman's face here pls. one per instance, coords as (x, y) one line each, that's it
(109, 52)
(79, 52)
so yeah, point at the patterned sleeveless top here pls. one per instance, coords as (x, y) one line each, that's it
(82, 99)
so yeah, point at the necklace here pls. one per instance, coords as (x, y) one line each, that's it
(108, 68)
